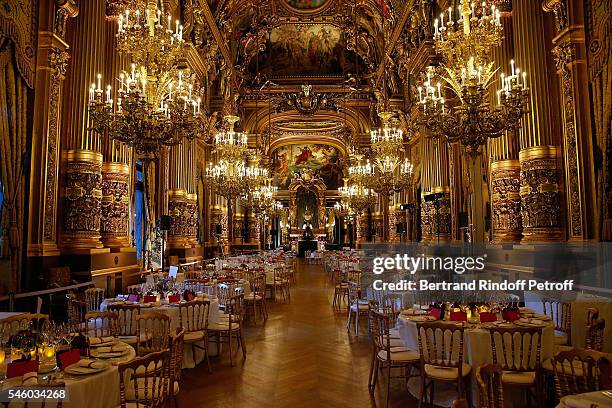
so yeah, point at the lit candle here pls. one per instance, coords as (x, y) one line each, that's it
(99, 82)
(450, 15)
(127, 18)
(108, 93)
(499, 97)
(473, 10)
(441, 19)
(177, 27)
(511, 66)
(436, 26)
(439, 92)
(169, 23)
(524, 80)
(420, 93)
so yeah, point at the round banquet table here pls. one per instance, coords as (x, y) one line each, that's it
(586, 400)
(99, 390)
(477, 352)
(172, 311)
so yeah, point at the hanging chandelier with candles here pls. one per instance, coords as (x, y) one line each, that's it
(358, 197)
(465, 46)
(157, 103)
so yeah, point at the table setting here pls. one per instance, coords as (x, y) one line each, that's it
(596, 399)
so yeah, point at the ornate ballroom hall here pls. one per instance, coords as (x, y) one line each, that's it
(213, 188)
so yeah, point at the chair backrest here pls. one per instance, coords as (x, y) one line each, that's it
(154, 329)
(177, 346)
(235, 308)
(126, 315)
(145, 381)
(99, 324)
(353, 291)
(560, 313)
(354, 276)
(576, 372)
(223, 293)
(258, 284)
(76, 314)
(441, 344)
(595, 328)
(490, 386)
(516, 348)
(93, 298)
(193, 315)
(380, 330)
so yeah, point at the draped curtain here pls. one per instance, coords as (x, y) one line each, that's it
(13, 135)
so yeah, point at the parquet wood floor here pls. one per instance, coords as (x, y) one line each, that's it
(301, 357)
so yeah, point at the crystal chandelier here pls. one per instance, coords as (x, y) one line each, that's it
(231, 145)
(343, 207)
(157, 104)
(465, 46)
(389, 174)
(357, 196)
(260, 199)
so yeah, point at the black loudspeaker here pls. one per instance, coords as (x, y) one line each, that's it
(218, 229)
(463, 219)
(399, 228)
(407, 207)
(274, 232)
(165, 222)
(432, 197)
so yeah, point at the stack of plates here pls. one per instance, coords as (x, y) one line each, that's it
(86, 367)
(115, 351)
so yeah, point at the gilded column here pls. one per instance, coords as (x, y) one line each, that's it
(505, 168)
(570, 55)
(83, 157)
(116, 191)
(436, 199)
(182, 197)
(539, 179)
(53, 59)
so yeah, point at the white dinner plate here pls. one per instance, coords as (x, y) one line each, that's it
(79, 369)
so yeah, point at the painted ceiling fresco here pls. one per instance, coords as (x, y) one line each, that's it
(307, 50)
(306, 4)
(323, 159)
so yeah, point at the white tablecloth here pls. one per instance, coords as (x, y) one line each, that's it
(92, 391)
(585, 400)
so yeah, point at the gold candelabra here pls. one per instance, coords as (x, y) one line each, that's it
(465, 46)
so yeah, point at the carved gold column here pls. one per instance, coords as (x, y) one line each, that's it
(436, 214)
(52, 59)
(116, 168)
(570, 55)
(82, 157)
(505, 168)
(182, 196)
(362, 229)
(540, 194)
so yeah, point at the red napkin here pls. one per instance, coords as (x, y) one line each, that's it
(511, 316)
(486, 317)
(69, 358)
(150, 299)
(174, 298)
(435, 312)
(458, 316)
(19, 368)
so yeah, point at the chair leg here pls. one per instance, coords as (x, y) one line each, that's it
(422, 392)
(241, 339)
(431, 394)
(375, 379)
(348, 321)
(372, 366)
(388, 382)
(357, 321)
(229, 344)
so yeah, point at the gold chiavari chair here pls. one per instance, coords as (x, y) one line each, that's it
(576, 372)
(281, 284)
(561, 315)
(490, 386)
(340, 288)
(386, 357)
(226, 330)
(94, 298)
(595, 328)
(154, 329)
(149, 388)
(518, 351)
(127, 326)
(256, 300)
(177, 344)
(194, 320)
(357, 306)
(102, 324)
(441, 357)
(76, 315)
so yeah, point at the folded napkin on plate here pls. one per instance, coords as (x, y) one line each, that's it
(29, 380)
(86, 363)
(576, 401)
(111, 349)
(19, 368)
(100, 340)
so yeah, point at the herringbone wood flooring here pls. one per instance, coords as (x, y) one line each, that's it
(302, 357)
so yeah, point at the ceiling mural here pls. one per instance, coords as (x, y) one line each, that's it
(306, 4)
(294, 158)
(307, 50)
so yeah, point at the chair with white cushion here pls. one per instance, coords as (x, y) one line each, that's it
(155, 329)
(561, 315)
(193, 317)
(145, 381)
(357, 307)
(127, 326)
(441, 356)
(386, 355)
(231, 328)
(518, 351)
